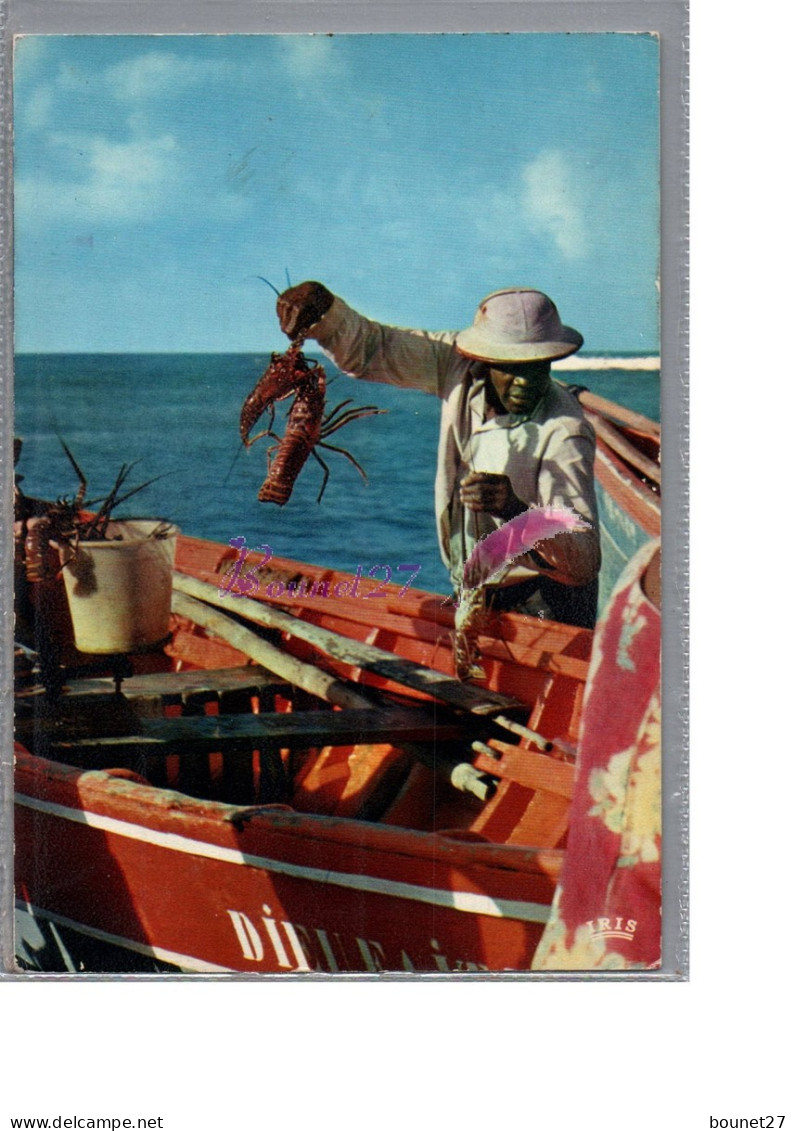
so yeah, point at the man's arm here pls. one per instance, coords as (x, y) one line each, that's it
(361, 347)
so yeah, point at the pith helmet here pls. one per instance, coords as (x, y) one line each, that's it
(518, 324)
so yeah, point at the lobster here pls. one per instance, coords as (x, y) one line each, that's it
(292, 374)
(63, 522)
(40, 522)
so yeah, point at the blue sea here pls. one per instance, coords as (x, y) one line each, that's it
(176, 417)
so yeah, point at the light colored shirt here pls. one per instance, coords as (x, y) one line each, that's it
(548, 456)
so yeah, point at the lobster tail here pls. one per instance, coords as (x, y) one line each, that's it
(278, 493)
(300, 438)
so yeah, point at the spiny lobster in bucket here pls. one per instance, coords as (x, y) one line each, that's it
(292, 374)
(64, 522)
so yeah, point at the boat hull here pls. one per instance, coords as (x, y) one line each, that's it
(210, 888)
(629, 516)
(141, 874)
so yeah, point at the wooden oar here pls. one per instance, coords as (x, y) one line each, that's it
(462, 775)
(300, 674)
(478, 701)
(604, 407)
(613, 438)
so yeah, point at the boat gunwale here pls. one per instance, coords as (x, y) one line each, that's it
(106, 795)
(547, 645)
(642, 505)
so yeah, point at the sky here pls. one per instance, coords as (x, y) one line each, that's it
(157, 176)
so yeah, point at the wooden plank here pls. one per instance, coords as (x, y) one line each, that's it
(303, 675)
(525, 767)
(520, 641)
(479, 701)
(543, 822)
(605, 407)
(628, 452)
(238, 776)
(195, 771)
(424, 619)
(176, 686)
(204, 733)
(196, 649)
(198, 557)
(516, 815)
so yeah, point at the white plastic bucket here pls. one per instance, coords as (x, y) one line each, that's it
(119, 592)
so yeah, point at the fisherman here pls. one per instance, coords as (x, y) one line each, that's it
(510, 437)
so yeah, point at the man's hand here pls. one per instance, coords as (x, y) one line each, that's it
(300, 307)
(485, 491)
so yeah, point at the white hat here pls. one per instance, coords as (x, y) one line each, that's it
(518, 324)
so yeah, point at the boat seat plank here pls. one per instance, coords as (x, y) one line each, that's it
(204, 733)
(177, 686)
(528, 768)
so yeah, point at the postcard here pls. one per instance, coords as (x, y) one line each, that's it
(337, 487)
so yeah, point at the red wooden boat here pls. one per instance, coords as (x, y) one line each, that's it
(297, 783)
(217, 817)
(627, 484)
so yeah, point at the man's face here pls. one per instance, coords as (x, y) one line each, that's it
(518, 385)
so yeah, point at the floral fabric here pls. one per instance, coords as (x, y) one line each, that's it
(607, 910)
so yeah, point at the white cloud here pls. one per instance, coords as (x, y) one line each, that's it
(123, 181)
(36, 110)
(537, 209)
(550, 203)
(132, 162)
(155, 74)
(312, 56)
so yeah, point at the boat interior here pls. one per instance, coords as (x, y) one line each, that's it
(204, 718)
(234, 733)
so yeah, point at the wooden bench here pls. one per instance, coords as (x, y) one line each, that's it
(204, 733)
(186, 688)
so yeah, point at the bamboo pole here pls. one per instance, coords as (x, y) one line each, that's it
(297, 672)
(525, 732)
(478, 701)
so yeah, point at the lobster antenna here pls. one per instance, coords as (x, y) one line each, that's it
(71, 458)
(232, 464)
(287, 273)
(270, 284)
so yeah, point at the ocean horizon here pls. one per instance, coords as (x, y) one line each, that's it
(175, 416)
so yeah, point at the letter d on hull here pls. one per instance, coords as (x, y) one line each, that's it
(247, 936)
